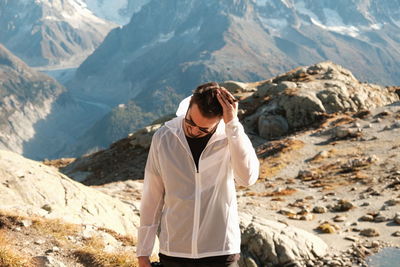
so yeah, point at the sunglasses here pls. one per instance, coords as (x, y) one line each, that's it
(192, 124)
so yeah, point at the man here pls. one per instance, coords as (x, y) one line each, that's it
(189, 185)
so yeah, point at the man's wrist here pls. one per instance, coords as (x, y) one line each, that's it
(232, 121)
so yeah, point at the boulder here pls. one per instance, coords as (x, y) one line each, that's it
(277, 244)
(270, 126)
(31, 188)
(306, 95)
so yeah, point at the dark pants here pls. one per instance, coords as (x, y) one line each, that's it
(219, 261)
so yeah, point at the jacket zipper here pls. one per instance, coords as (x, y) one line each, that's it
(197, 205)
(197, 199)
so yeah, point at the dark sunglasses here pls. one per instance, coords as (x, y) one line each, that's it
(204, 130)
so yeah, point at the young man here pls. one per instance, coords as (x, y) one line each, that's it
(189, 185)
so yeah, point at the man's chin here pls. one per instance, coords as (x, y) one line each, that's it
(194, 135)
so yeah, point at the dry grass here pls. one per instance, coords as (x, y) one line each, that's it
(56, 228)
(89, 253)
(276, 155)
(10, 257)
(281, 193)
(333, 174)
(124, 239)
(59, 163)
(97, 257)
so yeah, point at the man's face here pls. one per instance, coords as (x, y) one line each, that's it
(196, 125)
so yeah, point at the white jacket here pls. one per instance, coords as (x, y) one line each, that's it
(196, 211)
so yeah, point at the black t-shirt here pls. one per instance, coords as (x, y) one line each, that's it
(197, 146)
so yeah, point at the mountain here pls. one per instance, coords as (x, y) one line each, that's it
(51, 32)
(38, 117)
(179, 44)
(118, 11)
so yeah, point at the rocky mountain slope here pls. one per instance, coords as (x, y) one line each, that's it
(47, 218)
(26, 98)
(44, 32)
(38, 117)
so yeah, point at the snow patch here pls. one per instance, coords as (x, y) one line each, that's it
(345, 30)
(375, 26)
(191, 31)
(165, 37)
(118, 11)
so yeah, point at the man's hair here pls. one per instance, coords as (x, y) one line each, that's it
(205, 96)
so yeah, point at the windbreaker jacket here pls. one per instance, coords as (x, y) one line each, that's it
(194, 210)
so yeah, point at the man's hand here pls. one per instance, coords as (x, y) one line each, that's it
(229, 104)
(144, 261)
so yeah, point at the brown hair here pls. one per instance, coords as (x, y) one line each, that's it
(205, 96)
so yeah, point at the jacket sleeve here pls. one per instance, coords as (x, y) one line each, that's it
(151, 203)
(244, 160)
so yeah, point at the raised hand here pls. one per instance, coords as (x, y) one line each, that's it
(229, 104)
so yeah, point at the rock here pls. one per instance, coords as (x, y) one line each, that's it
(380, 218)
(52, 250)
(307, 175)
(26, 223)
(343, 205)
(342, 132)
(369, 232)
(307, 217)
(320, 209)
(375, 244)
(270, 126)
(267, 89)
(236, 87)
(47, 261)
(327, 228)
(397, 219)
(397, 233)
(247, 261)
(47, 207)
(143, 136)
(367, 218)
(339, 218)
(396, 125)
(352, 238)
(392, 202)
(46, 192)
(39, 242)
(287, 212)
(278, 244)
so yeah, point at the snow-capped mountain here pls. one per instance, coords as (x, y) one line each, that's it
(118, 11)
(178, 44)
(51, 32)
